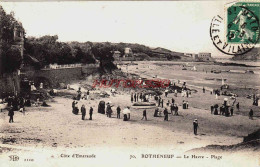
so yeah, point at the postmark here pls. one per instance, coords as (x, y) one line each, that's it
(238, 32)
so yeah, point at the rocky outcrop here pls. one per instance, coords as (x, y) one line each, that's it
(254, 55)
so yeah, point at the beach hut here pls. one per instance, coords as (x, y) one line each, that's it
(101, 107)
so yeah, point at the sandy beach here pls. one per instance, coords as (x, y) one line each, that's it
(57, 128)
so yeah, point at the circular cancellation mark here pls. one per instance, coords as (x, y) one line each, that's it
(242, 35)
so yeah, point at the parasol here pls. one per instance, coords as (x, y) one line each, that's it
(126, 111)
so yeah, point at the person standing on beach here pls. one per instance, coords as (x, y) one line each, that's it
(173, 100)
(168, 103)
(231, 111)
(73, 106)
(212, 109)
(256, 101)
(237, 106)
(172, 108)
(221, 110)
(203, 89)
(90, 113)
(176, 109)
(144, 115)
(162, 103)
(76, 109)
(83, 111)
(195, 126)
(183, 104)
(79, 94)
(165, 112)
(251, 113)
(11, 115)
(175, 92)
(21, 103)
(182, 93)
(87, 94)
(128, 113)
(109, 111)
(118, 109)
(166, 92)
(216, 111)
(156, 111)
(159, 101)
(146, 98)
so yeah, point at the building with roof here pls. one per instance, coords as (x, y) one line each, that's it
(204, 56)
(18, 34)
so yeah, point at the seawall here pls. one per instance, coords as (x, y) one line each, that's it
(52, 77)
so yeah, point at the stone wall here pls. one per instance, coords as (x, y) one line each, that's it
(53, 77)
(89, 70)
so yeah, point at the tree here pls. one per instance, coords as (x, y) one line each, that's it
(10, 55)
(104, 52)
(82, 52)
(12, 59)
(49, 50)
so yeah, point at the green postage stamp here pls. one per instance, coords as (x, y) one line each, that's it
(237, 32)
(242, 23)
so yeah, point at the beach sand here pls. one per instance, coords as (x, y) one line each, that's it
(57, 128)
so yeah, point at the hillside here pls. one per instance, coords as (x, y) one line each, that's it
(146, 53)
(254, 54)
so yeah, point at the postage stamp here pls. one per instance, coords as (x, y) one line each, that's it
(243, 23)
(237, 32)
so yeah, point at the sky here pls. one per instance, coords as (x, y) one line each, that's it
(178, 26)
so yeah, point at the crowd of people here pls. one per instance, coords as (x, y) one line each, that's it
(227, 109)
(106, 108)
(16, 103)
(163, 105)
(140, 97)
(81, 95)
(75, 110)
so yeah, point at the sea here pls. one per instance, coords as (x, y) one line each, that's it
(246, 62)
